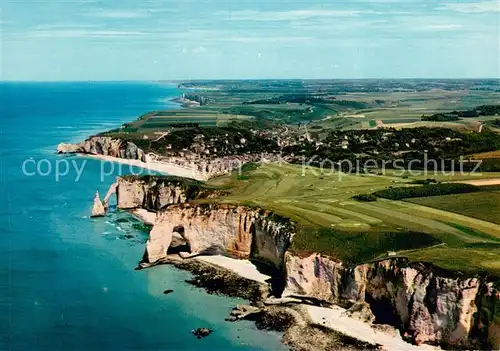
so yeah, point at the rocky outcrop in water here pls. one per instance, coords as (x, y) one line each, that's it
(428, 305)
(201, 333)
(105, 146)
(98, 209)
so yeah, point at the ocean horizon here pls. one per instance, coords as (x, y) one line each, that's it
(68, 280)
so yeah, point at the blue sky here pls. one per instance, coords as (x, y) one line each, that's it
(144, 40)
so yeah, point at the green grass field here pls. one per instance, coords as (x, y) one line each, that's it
(483, 205)
(456, 232)
(330, 222)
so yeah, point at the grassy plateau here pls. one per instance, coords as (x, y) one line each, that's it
(331, 222)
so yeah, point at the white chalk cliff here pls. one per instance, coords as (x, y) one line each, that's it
(427, 304)
(239, 231)
(198, 163)
(105, 146)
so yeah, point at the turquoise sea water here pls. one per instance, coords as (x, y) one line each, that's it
(67, 282)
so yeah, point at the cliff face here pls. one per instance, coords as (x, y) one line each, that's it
(210, 166)
(237, 230)
(313, 276)
(105, 146)
(428, 307)
(203, 165)
(155, 192)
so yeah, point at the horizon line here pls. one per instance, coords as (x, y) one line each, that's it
(235, 79)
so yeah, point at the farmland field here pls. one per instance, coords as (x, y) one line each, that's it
(163, 120)
(443, 176)
(405, 109)
(482, 205)
(326, 105)
(331, 222)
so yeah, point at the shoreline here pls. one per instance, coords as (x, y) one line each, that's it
(156, 166)
(218, 274)
(297, 320)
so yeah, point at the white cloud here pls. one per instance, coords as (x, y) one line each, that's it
(118, 14)
(474, 7)
(292, 15)
(67, 26)
(268, 39)
(128, 13)
(346, 24)
(81, 33)
(196, 50)
(442, 27)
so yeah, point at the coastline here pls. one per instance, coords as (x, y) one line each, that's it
(240, 278)
(156, 166)
(185, 103)
(318, 325)
(73, 281)
(218, 274)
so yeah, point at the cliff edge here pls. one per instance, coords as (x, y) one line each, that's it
(426, 304)
(105, 146)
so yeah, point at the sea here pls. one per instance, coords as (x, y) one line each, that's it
(67, 281)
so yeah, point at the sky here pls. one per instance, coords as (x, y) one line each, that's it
(54, 40)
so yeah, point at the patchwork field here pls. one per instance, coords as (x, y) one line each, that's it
(331, 222)
(164, 120)
(405, 109)
(416, 104)
(326, 105)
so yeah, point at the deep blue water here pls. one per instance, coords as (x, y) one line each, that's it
(67, 282)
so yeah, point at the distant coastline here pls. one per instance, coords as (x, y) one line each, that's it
(185, 102)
